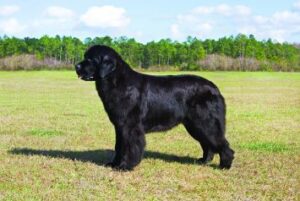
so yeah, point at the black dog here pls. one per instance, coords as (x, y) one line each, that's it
(137, 104)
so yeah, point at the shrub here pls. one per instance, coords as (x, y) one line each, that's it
(31, 62)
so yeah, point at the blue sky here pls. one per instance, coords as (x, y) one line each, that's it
(148, 20)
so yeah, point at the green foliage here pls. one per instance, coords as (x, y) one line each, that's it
(265, 66)
(185, 55)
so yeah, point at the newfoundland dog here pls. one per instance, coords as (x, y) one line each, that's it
(137, 104)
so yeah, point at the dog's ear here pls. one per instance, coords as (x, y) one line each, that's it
(108, 65)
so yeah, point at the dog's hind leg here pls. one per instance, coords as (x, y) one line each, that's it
(198, 135)
(212, 141)
(206, 123)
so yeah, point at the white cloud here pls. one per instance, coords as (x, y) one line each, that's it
(247, 29)
(206, 26)
(139, 34)
(203, 10)
(105, 17)
(190, 25)
(278, 34)
(11, 26)
(224, 9)
(175, 31)
(260, 19)
(286, 17)
(189, 18)
(202, 20)
(242, 10)
(60, 13)
(297, 5)
(8, 10)
(223, 19)
(54, 20)
(280, 26)
(63, 21)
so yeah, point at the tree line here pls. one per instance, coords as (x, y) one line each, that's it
(238, 52)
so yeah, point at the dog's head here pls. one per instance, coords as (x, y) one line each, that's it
(99, 62)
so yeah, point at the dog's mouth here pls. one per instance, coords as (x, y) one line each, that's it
(86, 78)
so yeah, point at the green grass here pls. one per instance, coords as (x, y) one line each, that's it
(55, 138)
(265, 146)
(44, 132)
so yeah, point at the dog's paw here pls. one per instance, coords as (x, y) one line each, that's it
(111, 164)
(203, 161)
(123, 167)
(225, 165)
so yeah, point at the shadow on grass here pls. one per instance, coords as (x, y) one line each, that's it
(100, 157)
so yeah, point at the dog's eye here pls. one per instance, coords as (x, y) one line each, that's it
(92, 61)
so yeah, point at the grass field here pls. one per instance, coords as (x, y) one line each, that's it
(55, 138)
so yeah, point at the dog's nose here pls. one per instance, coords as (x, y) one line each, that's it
(78, 67)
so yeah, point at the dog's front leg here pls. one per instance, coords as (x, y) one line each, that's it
(130, 144)
(117, 158)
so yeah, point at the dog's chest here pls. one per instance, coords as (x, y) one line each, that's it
(119, 102)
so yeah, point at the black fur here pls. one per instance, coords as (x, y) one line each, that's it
(137, 104)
